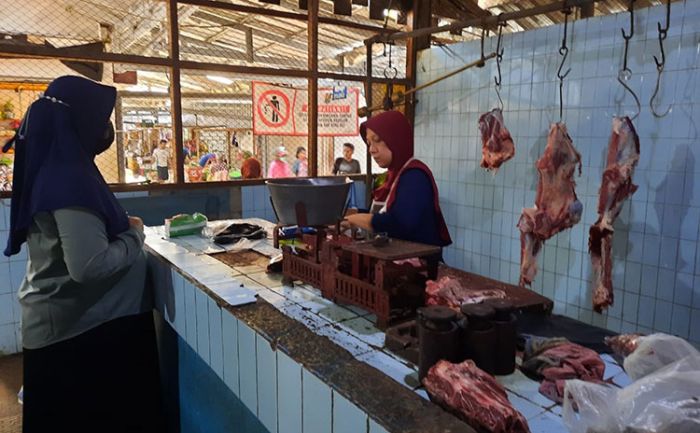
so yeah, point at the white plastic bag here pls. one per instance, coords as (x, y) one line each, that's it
(667, 401)
(654, 352)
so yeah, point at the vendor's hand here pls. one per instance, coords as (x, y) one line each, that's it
(362, 220)
(351, 211)
(136, 223)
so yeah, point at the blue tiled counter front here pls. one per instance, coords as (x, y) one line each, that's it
(256, 382)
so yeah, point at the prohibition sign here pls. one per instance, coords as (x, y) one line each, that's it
(280, 110)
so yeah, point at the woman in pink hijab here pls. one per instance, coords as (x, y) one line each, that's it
(279, 167)
(407, 204)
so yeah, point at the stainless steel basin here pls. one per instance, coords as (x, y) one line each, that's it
(324, 199)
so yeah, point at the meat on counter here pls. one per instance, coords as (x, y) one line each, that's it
(556, 360)
(474, 396)
(617, 186)
(497, 144)
(450, 292)
(556, 206)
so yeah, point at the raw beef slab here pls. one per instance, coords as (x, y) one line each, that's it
(497, 145)
(617, 186)
(556, 206)
(474, 396)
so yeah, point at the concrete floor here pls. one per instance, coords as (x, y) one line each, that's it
(10, 382)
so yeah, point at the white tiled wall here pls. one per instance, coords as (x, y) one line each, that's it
(656, 249)
(11, 273)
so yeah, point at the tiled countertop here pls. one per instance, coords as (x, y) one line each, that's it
(350, 328)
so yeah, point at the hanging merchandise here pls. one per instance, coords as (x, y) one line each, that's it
(557, 207)
(663, 32)
(615, 188)
(497, 144)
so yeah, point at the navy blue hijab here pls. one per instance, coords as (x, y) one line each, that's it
(55, 151)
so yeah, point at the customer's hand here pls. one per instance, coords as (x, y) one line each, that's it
(136, 223)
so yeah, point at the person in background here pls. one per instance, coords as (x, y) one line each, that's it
(89, 350)
(346, 164)
(278, 166)
(300, 168)
(161, 155)
(406, 205)
(251, 168)
(206, 159)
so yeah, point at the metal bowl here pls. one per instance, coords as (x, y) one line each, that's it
(324, 199)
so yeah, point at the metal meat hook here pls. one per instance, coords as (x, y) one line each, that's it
(499, 57)
(626, 73)
(564, 51)
(663, 32)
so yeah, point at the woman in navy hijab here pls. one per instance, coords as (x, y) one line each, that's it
(90, 361)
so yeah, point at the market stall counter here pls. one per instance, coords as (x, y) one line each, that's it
(296, 361)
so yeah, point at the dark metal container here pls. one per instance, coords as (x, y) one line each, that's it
(481, 337)
(320, 201)
(505, 323)
(438, 337)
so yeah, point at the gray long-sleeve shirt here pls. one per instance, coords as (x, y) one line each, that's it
(76, 279)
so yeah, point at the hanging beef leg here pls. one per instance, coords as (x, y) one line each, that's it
(556, 206)
(617, 186)
(496, 143)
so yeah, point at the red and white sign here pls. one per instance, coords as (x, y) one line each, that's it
(279, 110)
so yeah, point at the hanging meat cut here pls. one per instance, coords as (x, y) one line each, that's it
(497, 144)
(617, 186)
(474, 396)
(556, 206)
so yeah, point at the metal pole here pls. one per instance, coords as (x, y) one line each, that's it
(176, 92)
(313, 88)
(484, 22)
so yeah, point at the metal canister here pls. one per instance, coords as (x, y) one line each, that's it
(481, 337)
(438, 337)
(504, 322)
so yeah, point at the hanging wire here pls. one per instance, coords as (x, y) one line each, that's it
(626, 73)
(564, 51)
(499, 57)
(663, 32)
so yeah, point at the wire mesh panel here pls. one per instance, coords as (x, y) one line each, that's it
(141, 115)
(340, 147)
(213, 35)
(136, 27)
(221, 141)
(342, 50)
(144, 130)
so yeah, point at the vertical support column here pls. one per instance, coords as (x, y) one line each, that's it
(176, 91)
(119, 126)
(418, 17)
(368, 96)
(313, 87)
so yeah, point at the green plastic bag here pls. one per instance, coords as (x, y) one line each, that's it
(184, 225)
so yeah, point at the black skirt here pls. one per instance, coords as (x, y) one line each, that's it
(104, 380)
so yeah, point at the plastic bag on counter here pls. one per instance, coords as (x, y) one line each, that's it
(667, 401)
(184, 225)
(654, 352)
